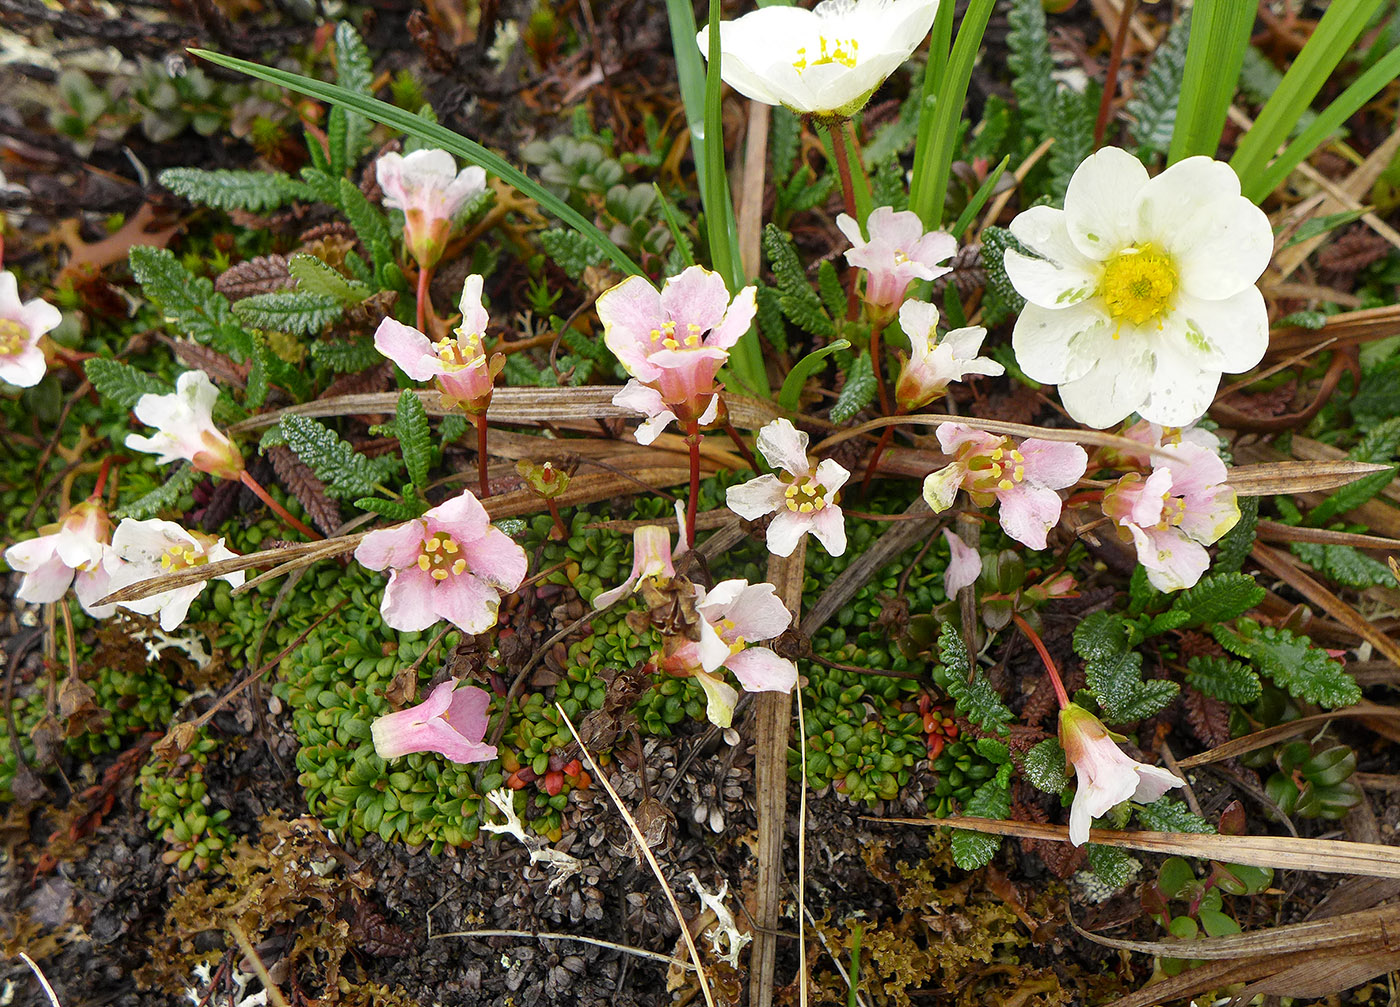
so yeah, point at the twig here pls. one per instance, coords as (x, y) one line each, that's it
(43, 981)
(596, 942)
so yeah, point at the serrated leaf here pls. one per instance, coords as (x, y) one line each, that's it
(1166, 814)
(1153, 105)
(370, 227)
(972, 850)
(259, 381)
(1111, 866)
(1233, 549)
(349, 357)
(1114, 673)
(1100, 635)
(1218, 597)
(571, 251)
(121, 384)
(1377, 447)
(1223, 678)
(1072, 125)
(990, 800)
(316, 277)
(347, 473)
(858, 391)
(1005, 301)
(976, 699)
(394, 510)
(164, 496)
(833, 295)
(993, 751)
(770, 318)
(1292, 662)
(1165, 622)
(1044, 766)
(796, 297)
(1344, 564)
(354, 70)
(1031, 65)
(415, 436)
(256, 191)
(291, 311)
(189, 303)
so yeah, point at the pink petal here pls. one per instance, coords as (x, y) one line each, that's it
(952, 436)
(46, 582)
(91, 586)
(755, 609)
(1054, 464)
(497, 560)
(1153, 782)
(831, 475)
(461, 516)
(1028, 513)
(408, 348)
(392, 548)
(964, 565)
(468, 712)
(466, 602)
(696, 296)
(758, 669)
(736, 320)
(24, 369)
(629, 312)
(408, 601)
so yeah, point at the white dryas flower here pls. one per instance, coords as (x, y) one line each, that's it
(827, 61)
(1143, 294)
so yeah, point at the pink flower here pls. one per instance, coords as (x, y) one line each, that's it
(735, 613)
(673, 341)
(897, 253)
(451, 723)
(1154, 435)
(451, 564)
(72, 550)
(142, 550)
(805, 504)
(927, 374)
(1023, 479)
(1106, 776)
(651, 557)
(21, 326)
(464, 374)
(184, 423)
(964, 565)
(647, 401)
(430, 191)
(1173, 514)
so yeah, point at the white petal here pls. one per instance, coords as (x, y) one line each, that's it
(1101, 202)
(1180, 390)
(829, 528)
(785, 447)
(1056, 346)
(1235, 330)
(755, 498)
(1109, 391)
(786, 530)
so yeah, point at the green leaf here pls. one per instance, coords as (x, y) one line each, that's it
(1003, 298)
(121, 384)
(1219, 36)
(370, 227)
(394, 510)
(289, 311)
(975, 699)
(571, 251)
(790, 394)
(1155, 94)
(1111, 866)
(1218, 598)
(832, 293)
(1114, 673)
(346, 473)
(354, 71)
(415, 436)
(1292, 662)
(1169, 815)
(858, 391)
(1233, 549)
(256, 191)
(348, 357)
(1378, 446)
(255, 392)
(992, 799)
(1044, 766)
(316, 277)
(1344, 564)
(189, 303)
(796, 297)
(1100, 635)
(164, 496)
(1072, 125)
(770, 319)
(1223, 679)
(1032, 68)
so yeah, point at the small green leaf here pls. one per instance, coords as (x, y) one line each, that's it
(289, 311)
(164, 496)
(1044, 766)
(790, 394)
(256, 191)
(858, 391)
(1223, 679)
(121, 384)
(415, 436)
(1292, 662)
(346, 473)
(1169, 815)
(975, 699)
(316, 277)
(1218, 598)
(1111, 866)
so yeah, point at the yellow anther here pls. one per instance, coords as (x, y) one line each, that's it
(1138, 285)
(436, 558)
(13, 335)
(1005, 484)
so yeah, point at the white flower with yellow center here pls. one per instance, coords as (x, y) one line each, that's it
(806, 502)
(1143, 291)
(827, 61)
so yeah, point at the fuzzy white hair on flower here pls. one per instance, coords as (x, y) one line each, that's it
(803, 504)
(1142, 292)
(826, 61)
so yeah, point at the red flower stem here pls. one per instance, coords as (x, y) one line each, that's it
(837, 130)
(247, 479)
(876, 328)
(1050, 668)
(102, 474)
(560, 532)
(1115, 63)
(874, 462)
(481, 457)
(693, 440)
(425, 277)
(743, 448)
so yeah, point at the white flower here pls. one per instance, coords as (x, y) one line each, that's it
(145, 549)
(21, 326)
(184, 423)
(933, 366)
(827, 61)
(1107, 777)
(804, 504)
(1144, 293)
(964, 565)
(430, 191)
(74, 550)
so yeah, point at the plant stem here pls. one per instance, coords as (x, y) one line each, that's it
(247, 479)
(876, 328)
(425, 277)
(1115, 63)
(874, 462)
(481, 457)
(102, 474)
(559, 533)
(743, 448)
(692, 438)
(1050, 669)
(837, 129)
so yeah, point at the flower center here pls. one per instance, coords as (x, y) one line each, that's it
(999, 469)
(726, 630)
(441, 557)
(462, 352)
(833, 50)
(1138, 284)
(1173, 510)
(666, 336)
(13, 337)
(805, 497)
(181, 557)
(899, 257)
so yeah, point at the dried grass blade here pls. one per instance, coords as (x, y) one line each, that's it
(1276, 532)
(1267, 478)
(1279, 732)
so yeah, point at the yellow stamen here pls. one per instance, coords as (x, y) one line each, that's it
(1138, 285)
(13, 337)
(436, 559)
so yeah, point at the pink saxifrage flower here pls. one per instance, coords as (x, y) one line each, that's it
(1106, 777)
(933, 366)
(898, 253)
(184, 422)
(451, 722)
(142, 550)
(430, 191)
(804, 504)
(964, 564)
(1173, 514)
(22, 325)
(673, 342)
(734, 614)
(651, 557)
(1022, 479)
(458, 364)
(451, 563)
(70, 552)
(1154, 435)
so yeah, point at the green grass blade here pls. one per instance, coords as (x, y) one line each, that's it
(1329, 44)
(1362, 90)
(431, 132)
(940, 41)
(791, 392)
(932, 170)
(673, 222)
(1219, 34)
(979, 200)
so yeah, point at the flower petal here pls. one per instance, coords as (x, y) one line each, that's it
(1055, 464)
(786, 530)
(964, 564)
(829, 528)
(755, 498)
(408, 348)
(1109, 391)
(758, 669)
(392, 548)
(1101, 202)
(1028, 513)
(785, 447)
(461, 516)
(695, 296)
(497, 559)
(407, 604)
(1057, 345)
(1232, 334)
